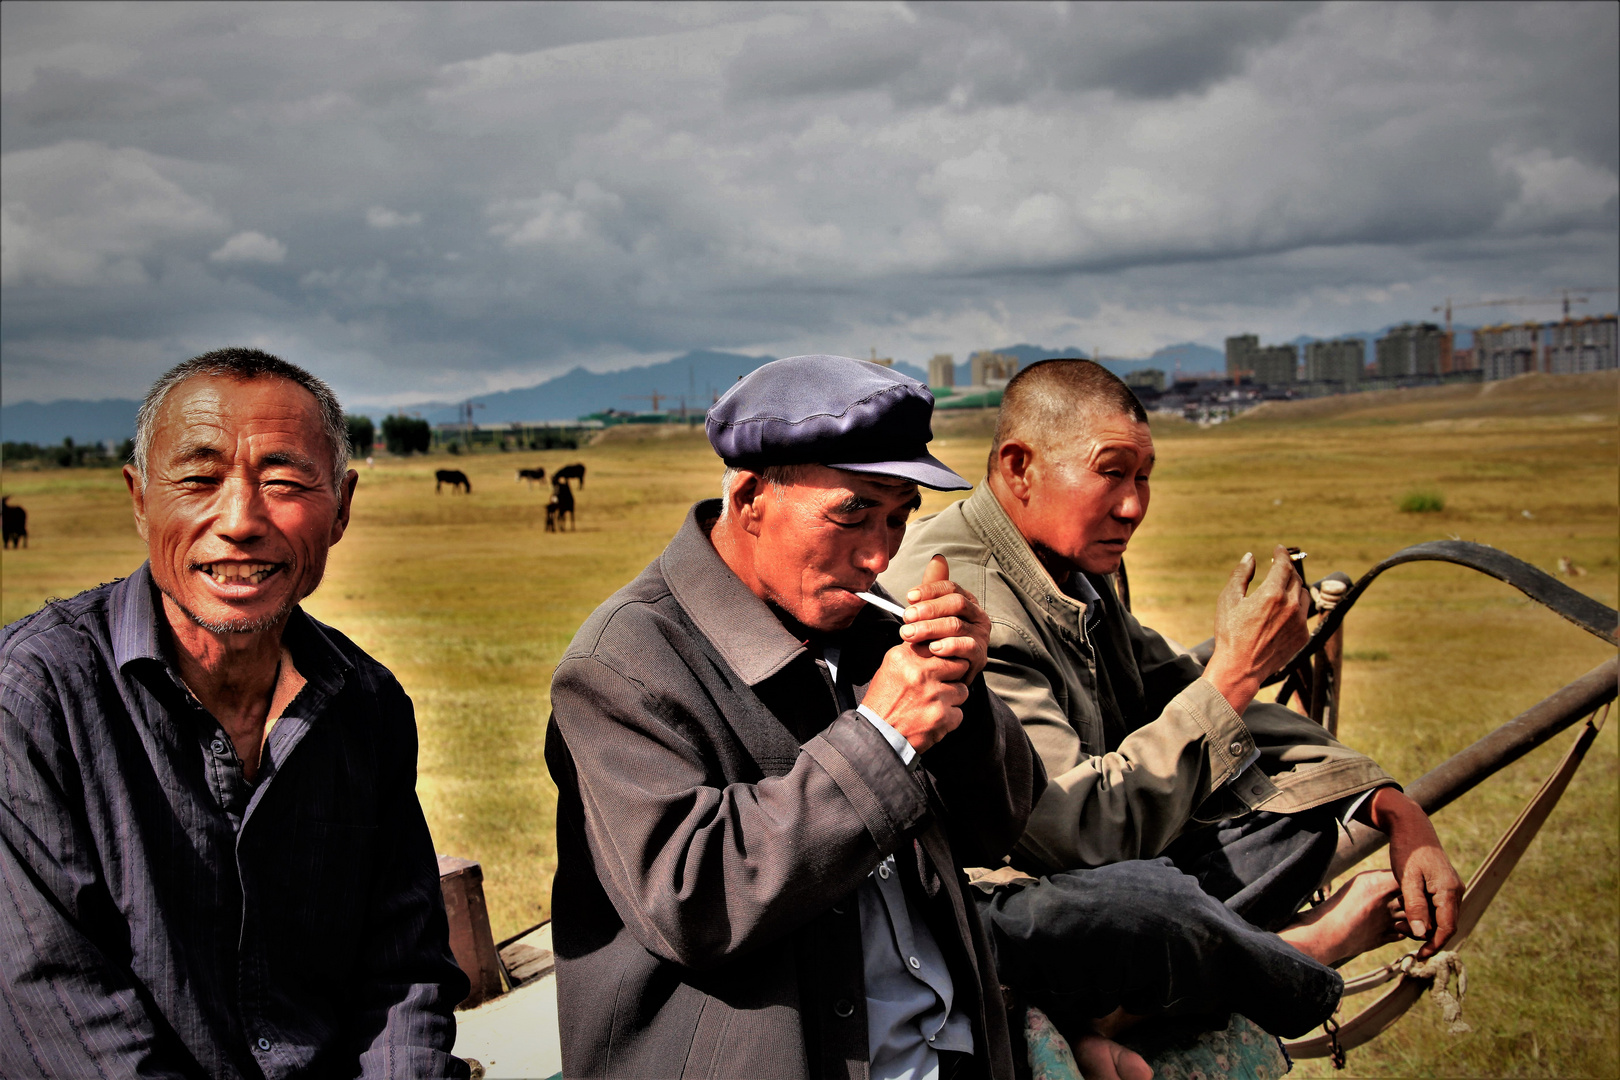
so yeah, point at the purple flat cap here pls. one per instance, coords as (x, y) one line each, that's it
(834, 411)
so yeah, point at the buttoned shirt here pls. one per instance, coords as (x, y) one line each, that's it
(161, 914)
(909, 996)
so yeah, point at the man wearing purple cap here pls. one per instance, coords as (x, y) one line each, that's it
(766, 784)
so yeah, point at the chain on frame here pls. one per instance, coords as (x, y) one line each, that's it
(1335, 1051)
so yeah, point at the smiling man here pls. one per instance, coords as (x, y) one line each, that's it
(1184, 821)
(765, 784)
(213, 858)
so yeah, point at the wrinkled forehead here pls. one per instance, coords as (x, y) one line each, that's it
(1097, 432)
(226, 402)
(218, 411)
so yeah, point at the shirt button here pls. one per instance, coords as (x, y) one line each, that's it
(838, 909)
(883, 871)
(931, 1038)
(218, 747)
(916, 965)
(844, 1009)
(1235, 749)
(264, 1044)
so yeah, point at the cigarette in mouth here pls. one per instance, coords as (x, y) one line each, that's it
(879, 602)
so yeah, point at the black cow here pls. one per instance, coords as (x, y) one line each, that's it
(531, 475)
(560, 506)
(454, 477)
(575, 471)
(15, 520)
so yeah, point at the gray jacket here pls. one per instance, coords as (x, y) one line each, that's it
(1136, 745)
(716, 812)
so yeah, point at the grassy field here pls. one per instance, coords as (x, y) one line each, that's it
(470, 602)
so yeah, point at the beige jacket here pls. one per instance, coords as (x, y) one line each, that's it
(1136, 745)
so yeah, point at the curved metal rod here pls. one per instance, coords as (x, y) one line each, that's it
(1471, 766)
(1593, 616)
(1482, 889)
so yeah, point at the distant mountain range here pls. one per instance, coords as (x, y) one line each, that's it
(697, 377)
(82, 421)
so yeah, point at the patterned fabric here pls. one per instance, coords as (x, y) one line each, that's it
(1049, 1055)
(160, 915)
(1240, 1051)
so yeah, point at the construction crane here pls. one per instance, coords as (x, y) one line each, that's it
(1569, 297)
(655, 397)
(1566, 299)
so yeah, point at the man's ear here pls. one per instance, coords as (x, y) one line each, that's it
(137, 495)
(747, 497)
(1015, 460)
(345, 506)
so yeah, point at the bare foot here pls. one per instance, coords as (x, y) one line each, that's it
(1104, 1059)
(1363, 915)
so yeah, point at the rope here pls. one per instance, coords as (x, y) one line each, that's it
(1442, 967)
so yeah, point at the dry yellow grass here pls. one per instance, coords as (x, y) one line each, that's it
(471, 603)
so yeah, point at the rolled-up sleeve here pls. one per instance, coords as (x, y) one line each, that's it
(1131, 802)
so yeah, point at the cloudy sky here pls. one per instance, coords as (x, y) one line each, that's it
(430, 201)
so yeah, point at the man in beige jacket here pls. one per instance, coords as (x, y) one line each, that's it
(1183, 820)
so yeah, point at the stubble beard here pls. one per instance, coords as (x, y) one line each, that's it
(237, 626)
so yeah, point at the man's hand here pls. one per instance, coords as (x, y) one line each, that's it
(921, 685)
(1255, 634)
(1431, 891)
(920, 695)
(947, 619)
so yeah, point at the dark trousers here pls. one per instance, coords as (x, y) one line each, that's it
(1184, 934)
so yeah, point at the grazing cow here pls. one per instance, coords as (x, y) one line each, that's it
(561, 505)
(16, 523)
(454, 477)
(531, 475)
(576, 471)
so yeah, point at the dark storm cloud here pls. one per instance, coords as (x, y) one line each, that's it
(1004, 54)
(431, 200)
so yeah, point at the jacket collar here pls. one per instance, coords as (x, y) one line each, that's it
(139, 632)
(983, 513)
(742, 627)
(745, 631)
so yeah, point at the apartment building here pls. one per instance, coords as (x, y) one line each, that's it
(1341, 361)
(1576, 345)
(1410, 349)
(1566, 347)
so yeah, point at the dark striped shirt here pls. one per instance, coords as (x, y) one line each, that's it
(162, 916)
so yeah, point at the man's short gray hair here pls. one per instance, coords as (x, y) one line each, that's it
(778, 476)
(1051, 399)
(244, 365)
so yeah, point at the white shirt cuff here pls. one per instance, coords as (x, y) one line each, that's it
(1355, 804)
(907, 752)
